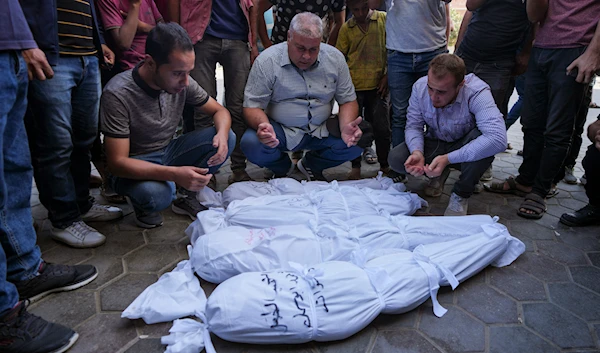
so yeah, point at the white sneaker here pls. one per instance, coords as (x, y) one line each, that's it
(78, 235)
(457, 206)
(101, 213)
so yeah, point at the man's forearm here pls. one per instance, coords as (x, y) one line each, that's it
(463, 27)
(348, 113)
(338, 18)
(137, 169)
(536, 10)
(173, 11)
(473, 5)
(222, 120)
(125, 34)
(255, 117)
(253, 28)
(260, 7)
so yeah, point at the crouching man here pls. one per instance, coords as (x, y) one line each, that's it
(463, 129)
(140, 110)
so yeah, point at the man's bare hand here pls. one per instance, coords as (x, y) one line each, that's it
(437, 166)
(37, 64)
(521, 62)
(109, 56)
(220, 143)
(351, 133)
(266, 135)
(586, 64)
(192, 178)
(415, 164)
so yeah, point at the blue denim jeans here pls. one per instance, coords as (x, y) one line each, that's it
(192, 149)
(323, 153)
(63, 127)
(404, 69)
(552, 100)
(515, 111)
(19, 255)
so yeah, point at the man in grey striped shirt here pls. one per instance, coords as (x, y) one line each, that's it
(464, 130)
(289, 98)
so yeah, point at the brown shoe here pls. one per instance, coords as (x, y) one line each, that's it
(238, 175)
(436, 185)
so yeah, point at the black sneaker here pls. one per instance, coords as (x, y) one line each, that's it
(586, 216)
(187, 204)
(54, 278)
(23, 332)
(308, 172)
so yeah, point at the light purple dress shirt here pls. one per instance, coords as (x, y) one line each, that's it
(474, 107)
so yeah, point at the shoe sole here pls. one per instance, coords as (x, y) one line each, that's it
(64, 289)
(138, 222)
(69, 344)
(181, 211)
(77, 246)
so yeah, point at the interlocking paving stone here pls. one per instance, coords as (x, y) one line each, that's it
(154, 330)
(148, 345)
(557, 210)
(587, 276)
(75, 307)
(103, 227)
(161, 255)
(561, 252)
(389, 322)
(542, 267)
(557, 325)
(171, 234)
(580, 195)
(572, 203)
(503, 212)
(597, 329)
(359, 343)
(222, 346)
(532, 230)
(118, 295)
(487, 304)
(63, 254)
(578, 239)
(518, 340)
(579, 301)
(594, 258)
(120, 243)
(476, 207)
(517, 284)
(569, 187)
(104, 333)
(548, 221)
(405, 341)
(455, 331)
(108, 268)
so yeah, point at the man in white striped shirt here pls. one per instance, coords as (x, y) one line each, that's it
(464, 130)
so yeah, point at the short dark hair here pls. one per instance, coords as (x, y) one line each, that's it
(444, 64)
(164, 39)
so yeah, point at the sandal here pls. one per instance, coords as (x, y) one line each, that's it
(553, 192)
(534, 203)
(499, 187)
(370, 156)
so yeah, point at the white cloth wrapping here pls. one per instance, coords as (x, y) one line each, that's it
(317, 207)
(230, 251)
(176, 294)
(331, 301)
(287, 186)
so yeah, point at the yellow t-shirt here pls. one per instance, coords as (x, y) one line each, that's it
(365, 52)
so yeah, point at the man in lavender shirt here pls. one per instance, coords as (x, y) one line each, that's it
(464, 130)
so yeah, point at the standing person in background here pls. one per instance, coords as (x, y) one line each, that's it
(128, 24)
(411, 45)
(565, 55)
(64, 116)
(23, 273)
(222, 32)
(494, 55)
(362, 41)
